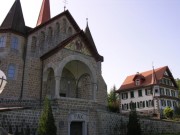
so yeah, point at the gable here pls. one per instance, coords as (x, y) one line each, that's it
(84, 46)
(78, 45)
(64, 15)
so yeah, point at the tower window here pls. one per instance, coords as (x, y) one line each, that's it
(2, 41)
(11, 71)
(14, 43)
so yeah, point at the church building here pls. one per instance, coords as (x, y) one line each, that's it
(55, 59)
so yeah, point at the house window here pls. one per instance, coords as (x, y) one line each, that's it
(137, 82)
(11, 71)
(167, 92)
(125, 107)
(124, 95)
(149, 103)
(141, 104)
(132, 94)
(174, 103)
(163, 102)
(169, 103)
(148, 91)
(162, 91)
(156, 90)
(140, 93)
(132, 105)
(173, 93)
(14, 43)
(2, 41)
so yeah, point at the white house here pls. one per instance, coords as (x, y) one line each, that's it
(149, 92)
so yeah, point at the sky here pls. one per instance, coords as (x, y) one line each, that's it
(132, 35)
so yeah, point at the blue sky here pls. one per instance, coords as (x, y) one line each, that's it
(130, 34)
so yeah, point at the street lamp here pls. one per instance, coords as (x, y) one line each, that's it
(3, 81)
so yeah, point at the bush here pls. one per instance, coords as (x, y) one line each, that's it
(168, 112)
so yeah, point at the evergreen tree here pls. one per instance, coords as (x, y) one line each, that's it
(134, 127)
(113, 100)
(46, 122)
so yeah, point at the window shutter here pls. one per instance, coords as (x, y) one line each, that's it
(146, 91)
(143, 103)
(147, 103)
(152, 102)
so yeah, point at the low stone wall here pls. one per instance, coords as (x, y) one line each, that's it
(116, 124)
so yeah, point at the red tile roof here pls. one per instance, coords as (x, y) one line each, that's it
(149, 78)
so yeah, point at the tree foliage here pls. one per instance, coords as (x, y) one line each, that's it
(168, 112)
(178, 83)
(113, 100)
(134, 127)
(46, 122)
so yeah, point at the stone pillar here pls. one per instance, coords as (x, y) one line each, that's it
(57, 87)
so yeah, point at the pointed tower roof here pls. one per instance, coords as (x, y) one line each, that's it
(89, 36)
(44, 14)
(14, 19)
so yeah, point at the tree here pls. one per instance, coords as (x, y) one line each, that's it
(168, 112)
(134, 127)
(113, 100)
(46, 122)
(178, 83)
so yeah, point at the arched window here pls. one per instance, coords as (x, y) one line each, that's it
(11, 71)
(33, 44)
(50, 32)
(2, 41)
(69, 31)
(64, 25)
(14, 43)
(57, 30)
(42, 40)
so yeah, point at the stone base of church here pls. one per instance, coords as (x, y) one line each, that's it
(71, 116)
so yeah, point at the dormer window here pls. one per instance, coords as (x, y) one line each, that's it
(137, 82)
(138, 79)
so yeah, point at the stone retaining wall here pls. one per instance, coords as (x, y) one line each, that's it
(116, 124)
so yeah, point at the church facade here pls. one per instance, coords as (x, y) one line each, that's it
(56, 59)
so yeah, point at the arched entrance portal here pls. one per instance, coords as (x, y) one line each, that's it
(76, 81)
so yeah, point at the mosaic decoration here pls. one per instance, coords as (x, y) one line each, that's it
(78, 46)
